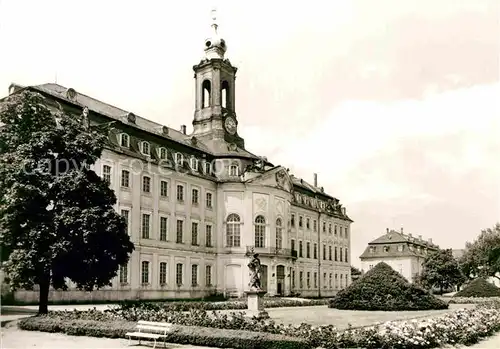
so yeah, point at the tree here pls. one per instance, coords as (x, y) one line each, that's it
(355, 273)
(482, 257)
(57, 220)
(440, 269)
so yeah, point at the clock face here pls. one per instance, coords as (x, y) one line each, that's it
(230, 125)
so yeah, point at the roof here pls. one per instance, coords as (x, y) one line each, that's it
(299, 182)
(97, 106)
(458, 253)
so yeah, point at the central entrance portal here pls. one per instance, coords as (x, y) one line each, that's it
(280, 280)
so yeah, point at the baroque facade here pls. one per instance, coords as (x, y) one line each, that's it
(403, 252)
(199, 205)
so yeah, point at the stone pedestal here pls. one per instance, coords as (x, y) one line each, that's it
(256, 304)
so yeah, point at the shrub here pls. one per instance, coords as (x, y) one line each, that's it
(472, 300)
(479, 288)
(193, 335)
(228, 305)
(382, 288)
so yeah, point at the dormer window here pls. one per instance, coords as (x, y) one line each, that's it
(124, 140)
(162, 153)
(194, 164)
(233, 170)
(386, 248)
(400, 248)
(179, 159)
(145, 148)
(208, 168)
(372, 249)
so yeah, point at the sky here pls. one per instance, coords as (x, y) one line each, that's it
(395, 104)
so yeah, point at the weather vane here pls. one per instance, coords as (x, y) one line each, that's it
(214, 18)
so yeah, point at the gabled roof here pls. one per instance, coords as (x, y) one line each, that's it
(299, 182)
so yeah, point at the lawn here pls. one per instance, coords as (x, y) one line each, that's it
(322, 315)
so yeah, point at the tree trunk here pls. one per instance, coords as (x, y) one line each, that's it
(441, 289)
(43, 304)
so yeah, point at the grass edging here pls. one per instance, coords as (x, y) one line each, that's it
(194, 335)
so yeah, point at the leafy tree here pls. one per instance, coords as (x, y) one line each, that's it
(441, 269)
(482, 257)
(57, 220)
(355, 273)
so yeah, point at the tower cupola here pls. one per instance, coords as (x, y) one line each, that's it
(215, 46)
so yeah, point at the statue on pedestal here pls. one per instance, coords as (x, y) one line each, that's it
(255, 273)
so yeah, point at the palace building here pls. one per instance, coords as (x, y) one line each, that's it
(198, 205)
(403, 252)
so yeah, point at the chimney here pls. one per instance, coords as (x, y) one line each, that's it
(409, 235)
(183, 129)
(315, 180)
(343, 211)
(420, 237)
(430, 241)
(387, 230)
(402, 231)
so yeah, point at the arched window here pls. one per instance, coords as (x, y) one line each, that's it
(206, 93)
(279, 233)
(224, 94)
(233, 236)
(260, 231)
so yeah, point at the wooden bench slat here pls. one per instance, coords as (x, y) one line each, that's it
(144, 334)
(152, 328)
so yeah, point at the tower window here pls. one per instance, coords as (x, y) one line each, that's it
(224, 94)
(206, 88)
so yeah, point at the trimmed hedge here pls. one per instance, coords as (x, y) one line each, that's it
(228, 305)
(472, 300)
(193, 335)
(383, 288)
(479, 288)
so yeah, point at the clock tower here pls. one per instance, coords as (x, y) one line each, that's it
(214, 115)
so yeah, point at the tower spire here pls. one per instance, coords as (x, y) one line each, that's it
(214, 19)
(215, 46)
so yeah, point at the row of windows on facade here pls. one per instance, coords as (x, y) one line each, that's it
(164, 190)
(327, 277)
(400, 268)
(338, 252)
(400, 248)
(162, 153)
(179, 275)
(343, 231)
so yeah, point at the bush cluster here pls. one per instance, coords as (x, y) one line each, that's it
(472, 300)
(464, 326)
(227, 305)
(479, 288)
(382, 288)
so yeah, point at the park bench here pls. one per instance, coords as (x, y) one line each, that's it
(150, 330)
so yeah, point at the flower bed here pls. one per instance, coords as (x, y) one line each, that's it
(464, 326)
(193, 335)
(227, 305)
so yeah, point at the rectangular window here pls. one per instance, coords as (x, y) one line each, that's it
(163, 228)
(164, 188)
(300, 249)
(330, 228)
(125, 182)
(315, 251)
(346, 259)
(292, 220)
(335, 230)
(315, 225)
(178, 274)
(233, 170)
(209, 200)
(194, 196)
(300, 221)
(208, 275)
(324, 280)
(163, 154)
(208, 168)
(330, 281)
(194, 233)
(340, 231)
(125, 215)
(324, 227)
(330, 253)
(179, 231)
(324, 252)
(194, 275)
(208, 235)
(336, 254)
(145, 225)
(308, 250)
(346, 233)
(124, 274)
(308, 223)
(308, 281)
(292, 244)
(293, 279)
(301, 279)
(180, 193)
(124, 140)
(163, 273)
(145, 272)
(106, 173)
(315, 280)
(146, 184)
